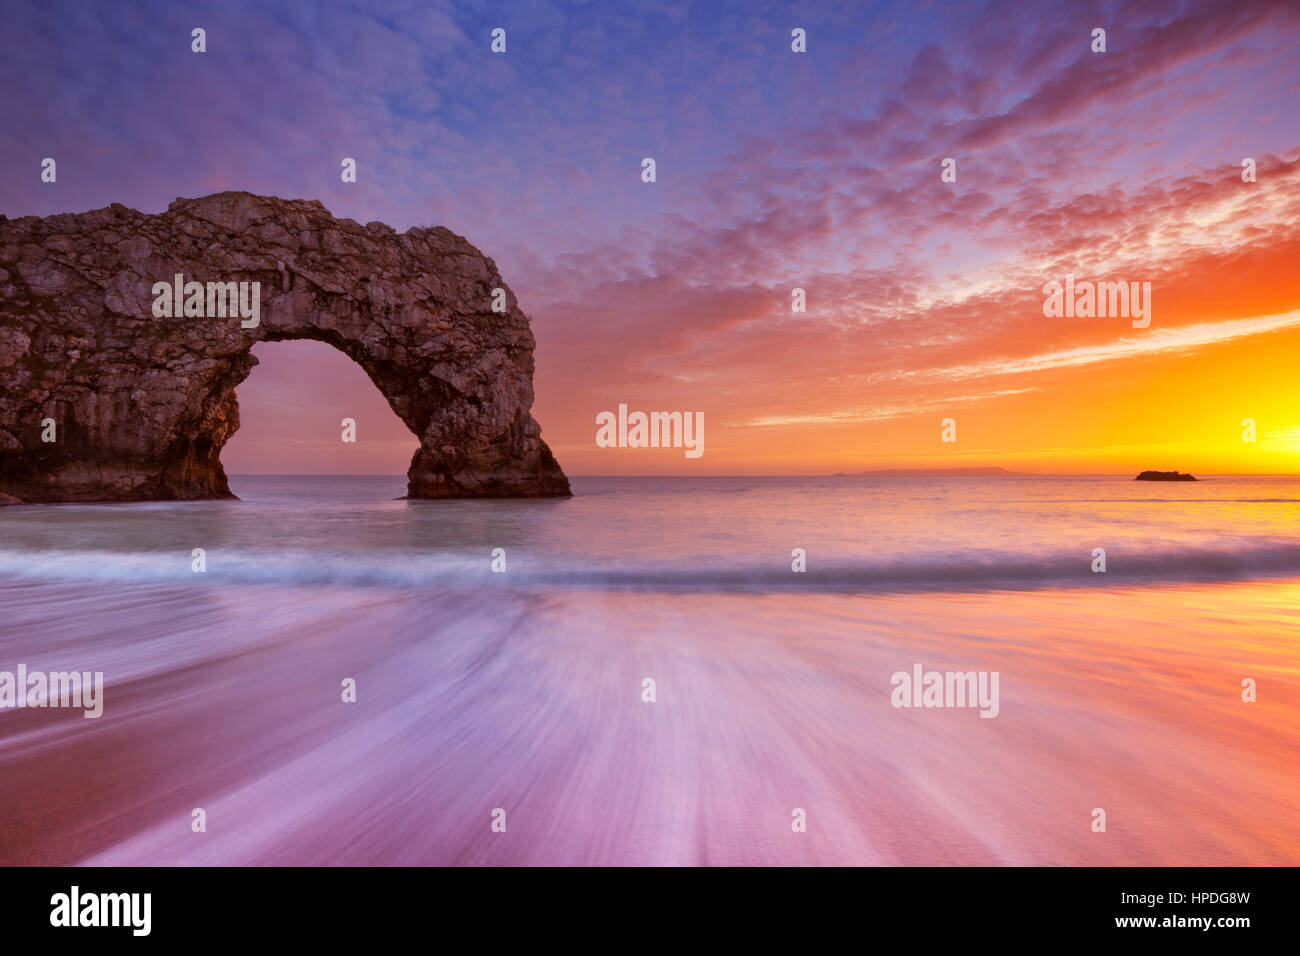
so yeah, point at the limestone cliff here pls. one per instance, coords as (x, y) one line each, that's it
(143, 405)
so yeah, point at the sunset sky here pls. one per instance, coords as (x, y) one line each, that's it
(775, 170)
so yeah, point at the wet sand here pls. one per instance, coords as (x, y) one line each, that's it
(229, 699)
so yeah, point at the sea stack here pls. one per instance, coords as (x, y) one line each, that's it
(1164, 476)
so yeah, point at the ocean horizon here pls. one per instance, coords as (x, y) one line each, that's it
(686, 533)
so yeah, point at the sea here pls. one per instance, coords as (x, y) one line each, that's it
(661, 671)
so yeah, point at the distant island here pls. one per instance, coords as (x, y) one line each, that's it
(1164, 476)
(942, 472)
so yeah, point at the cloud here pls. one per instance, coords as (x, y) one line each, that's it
(884, 413)
(1178, 339)
(776, 170)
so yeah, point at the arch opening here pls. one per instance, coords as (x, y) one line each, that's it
(307, 408)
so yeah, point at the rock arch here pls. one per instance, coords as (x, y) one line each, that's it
(143, 405)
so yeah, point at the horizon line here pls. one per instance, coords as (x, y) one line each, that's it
(955, 473)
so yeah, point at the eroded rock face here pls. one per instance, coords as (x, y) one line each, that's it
(142, 405)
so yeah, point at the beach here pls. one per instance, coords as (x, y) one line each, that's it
(524, 690)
